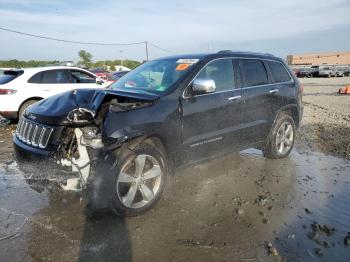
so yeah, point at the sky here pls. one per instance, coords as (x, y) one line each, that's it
(182, 26)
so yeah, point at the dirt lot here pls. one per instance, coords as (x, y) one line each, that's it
(326, 123)
(241, 207)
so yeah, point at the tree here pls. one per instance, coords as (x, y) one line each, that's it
(85, 58)
(112, 68)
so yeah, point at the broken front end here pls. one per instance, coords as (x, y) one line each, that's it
(65, 135)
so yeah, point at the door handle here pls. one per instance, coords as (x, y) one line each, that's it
(273, 91)
(234, 98)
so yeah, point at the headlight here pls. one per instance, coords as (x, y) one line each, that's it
(81, 116)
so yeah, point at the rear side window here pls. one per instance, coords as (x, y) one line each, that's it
(9, 75)
(253, 72)
(51, 77)
(278, 72)
(221, 71)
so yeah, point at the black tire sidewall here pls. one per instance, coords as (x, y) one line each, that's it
(271, 149)
(24, 106)
(116, 204)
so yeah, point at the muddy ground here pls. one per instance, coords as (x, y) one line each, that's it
(241, 207)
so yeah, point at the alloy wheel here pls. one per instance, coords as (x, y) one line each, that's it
(139, 181)
(284, 138)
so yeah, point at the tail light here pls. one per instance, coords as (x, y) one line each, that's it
(301, 88)
(7, 91)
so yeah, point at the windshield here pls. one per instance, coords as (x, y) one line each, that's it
(154, 76)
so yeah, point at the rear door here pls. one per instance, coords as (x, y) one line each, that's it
(210, 121)
(256, 103)
(281, 81)
(49, 82)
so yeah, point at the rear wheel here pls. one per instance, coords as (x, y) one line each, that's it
(24, 106)
(281, 139)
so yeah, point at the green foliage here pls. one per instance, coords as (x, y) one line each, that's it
(85, 58)
(112, 68)
(24, 64)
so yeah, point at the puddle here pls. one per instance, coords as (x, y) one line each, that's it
(225, 209)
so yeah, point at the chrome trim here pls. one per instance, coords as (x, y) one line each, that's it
(233, 98)
(33, 134)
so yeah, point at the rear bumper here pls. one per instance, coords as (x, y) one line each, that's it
(11, 115)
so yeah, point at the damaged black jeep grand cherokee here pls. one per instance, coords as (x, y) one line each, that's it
(123, 142)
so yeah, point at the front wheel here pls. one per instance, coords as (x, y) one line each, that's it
(281, 138)
(139, 179)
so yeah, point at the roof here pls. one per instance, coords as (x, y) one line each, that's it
(224, 53)
(38, 69)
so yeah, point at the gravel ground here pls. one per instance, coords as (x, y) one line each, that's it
(326, 121)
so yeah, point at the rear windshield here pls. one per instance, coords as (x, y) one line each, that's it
(9, 75)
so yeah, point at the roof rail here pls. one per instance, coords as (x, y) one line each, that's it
(244, 52)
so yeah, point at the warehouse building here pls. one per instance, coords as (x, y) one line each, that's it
(332, 58)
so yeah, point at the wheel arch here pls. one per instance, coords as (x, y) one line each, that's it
(36, 98)
(292, 110)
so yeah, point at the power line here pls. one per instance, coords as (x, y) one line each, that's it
(70, 41)
(88, 43)
(160, 48)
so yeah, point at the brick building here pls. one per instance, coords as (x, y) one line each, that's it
(333, 58)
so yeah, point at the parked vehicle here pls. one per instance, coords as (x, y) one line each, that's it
(326, 71)
(123, 142)
(100, 72)
(307, 72)
(340, 71)
(19, 88)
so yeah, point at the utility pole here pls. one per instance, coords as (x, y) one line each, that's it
(146, 43)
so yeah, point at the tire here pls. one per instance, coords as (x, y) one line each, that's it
(112, 183)
(282, 132)
(24, 106)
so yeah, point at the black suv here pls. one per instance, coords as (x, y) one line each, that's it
(123, 142)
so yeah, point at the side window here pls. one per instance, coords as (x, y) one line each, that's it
(51, 77)
(221, 71)
(36, 79)
(278, 72)
(253, 72)
(80, 77)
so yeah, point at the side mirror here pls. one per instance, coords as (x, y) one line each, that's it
(203, 86)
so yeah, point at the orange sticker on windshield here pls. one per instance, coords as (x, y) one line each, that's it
(182, 67)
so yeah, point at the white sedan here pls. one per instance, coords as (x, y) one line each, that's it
(19, 88)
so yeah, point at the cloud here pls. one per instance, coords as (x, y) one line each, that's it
(178, 25)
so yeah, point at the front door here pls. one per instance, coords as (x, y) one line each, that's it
(209, 121)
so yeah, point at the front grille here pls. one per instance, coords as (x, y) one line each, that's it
(33, 134)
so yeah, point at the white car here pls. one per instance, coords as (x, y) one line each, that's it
(19, 88)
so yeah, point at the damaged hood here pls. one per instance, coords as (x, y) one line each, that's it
(55, 109)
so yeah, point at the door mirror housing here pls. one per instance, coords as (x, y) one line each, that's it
(203, 86)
